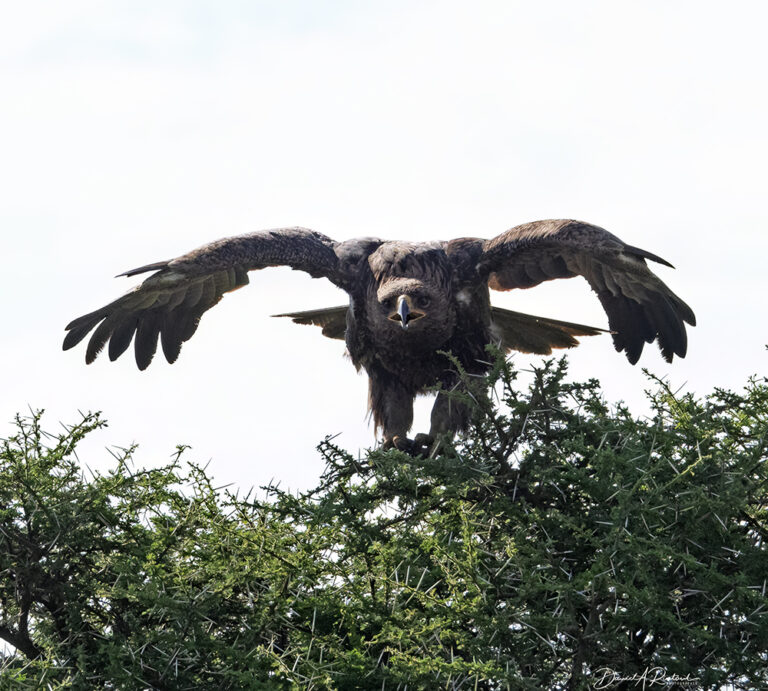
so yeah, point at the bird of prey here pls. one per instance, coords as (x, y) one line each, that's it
(409, 303)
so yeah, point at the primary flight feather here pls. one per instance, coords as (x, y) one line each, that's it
(407, 302)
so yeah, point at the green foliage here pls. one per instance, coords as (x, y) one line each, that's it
(556, 540)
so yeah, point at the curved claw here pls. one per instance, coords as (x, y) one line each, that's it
(421, 445)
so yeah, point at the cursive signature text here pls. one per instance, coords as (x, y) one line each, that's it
(605, 677)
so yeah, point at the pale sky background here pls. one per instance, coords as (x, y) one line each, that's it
(131, 132)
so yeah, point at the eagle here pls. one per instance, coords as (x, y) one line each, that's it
(410, 304)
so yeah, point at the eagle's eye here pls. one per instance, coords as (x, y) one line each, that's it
(388, 304)
(422, 301)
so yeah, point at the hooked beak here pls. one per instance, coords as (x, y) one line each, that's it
(404, 314)
(403, 310)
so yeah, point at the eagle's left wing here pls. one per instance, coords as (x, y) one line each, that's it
(640, 307)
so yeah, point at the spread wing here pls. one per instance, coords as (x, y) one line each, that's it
(168, 305)
(640, 307)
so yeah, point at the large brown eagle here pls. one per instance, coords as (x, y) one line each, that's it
(407, 301)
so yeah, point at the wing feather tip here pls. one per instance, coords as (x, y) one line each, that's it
(155, 266)
(72, 339)
(645, 254)
(171, 347)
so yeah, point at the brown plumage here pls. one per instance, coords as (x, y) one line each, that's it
(407, 301)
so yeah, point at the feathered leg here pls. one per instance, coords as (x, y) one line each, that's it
(391, 405)
(448, 417)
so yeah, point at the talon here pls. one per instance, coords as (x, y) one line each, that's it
(397, 442)
(422, 444)
(402, 443)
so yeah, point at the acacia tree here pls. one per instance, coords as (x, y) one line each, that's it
(559, 544)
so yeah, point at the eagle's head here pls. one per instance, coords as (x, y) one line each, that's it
(410, 305)
(414, 312)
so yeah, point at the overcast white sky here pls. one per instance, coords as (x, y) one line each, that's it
(133, 132)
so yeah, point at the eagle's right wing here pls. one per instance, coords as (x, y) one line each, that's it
(171, 301)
